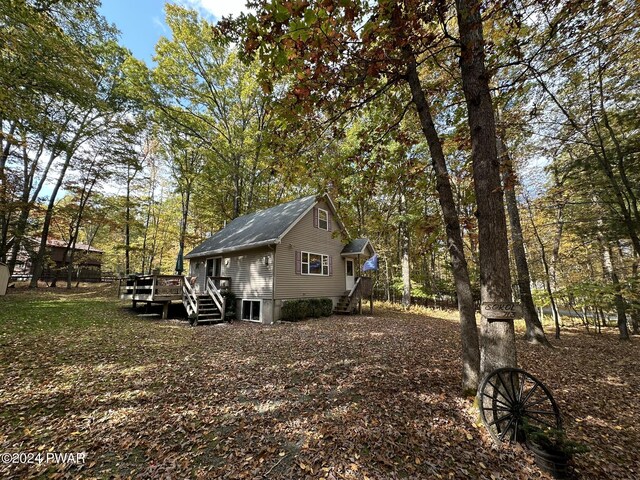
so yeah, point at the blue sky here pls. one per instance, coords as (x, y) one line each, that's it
(141, 22)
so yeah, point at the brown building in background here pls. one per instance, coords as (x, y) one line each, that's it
(87, 261)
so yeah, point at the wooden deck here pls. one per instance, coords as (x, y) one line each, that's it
(165, 289)
(160, 289)
(151, 288)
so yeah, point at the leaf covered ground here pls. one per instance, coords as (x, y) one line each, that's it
(341, 397)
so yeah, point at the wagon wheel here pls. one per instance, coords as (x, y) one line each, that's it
(509, 397)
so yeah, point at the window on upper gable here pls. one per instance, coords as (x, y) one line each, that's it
(323, 219)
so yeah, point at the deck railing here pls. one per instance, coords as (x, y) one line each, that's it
(362, 288)
(215, 295)
(151, 287)
(189, 298)
(221, 282)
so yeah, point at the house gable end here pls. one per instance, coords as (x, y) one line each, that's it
(303, 239)
(323, 202)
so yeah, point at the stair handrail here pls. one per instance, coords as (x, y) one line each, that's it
(355, 287)
(353, 293)
(216, 296)
(189, 297)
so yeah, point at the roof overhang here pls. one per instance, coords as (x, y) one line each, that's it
(236, 248)
(362, 251)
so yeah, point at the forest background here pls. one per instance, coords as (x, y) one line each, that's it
(301, 97)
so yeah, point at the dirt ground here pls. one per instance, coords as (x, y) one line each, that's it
(341, 397)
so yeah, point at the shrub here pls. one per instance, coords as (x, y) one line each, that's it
(314, 307)
(326, 307)
(553, 440)
(230, 304)
(293, 310)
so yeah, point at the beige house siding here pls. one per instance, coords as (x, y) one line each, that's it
(251, 276)
(305, 237)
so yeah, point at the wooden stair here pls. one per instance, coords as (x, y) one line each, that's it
(351, 301)
(345, 304)
(205, 307)
(207, 310)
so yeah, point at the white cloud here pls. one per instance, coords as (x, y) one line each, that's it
(218, 8)
(160, 25)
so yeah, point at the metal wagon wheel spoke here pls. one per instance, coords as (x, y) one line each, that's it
(497, 401)
(501, 419)
(511, 397)
(497, 390)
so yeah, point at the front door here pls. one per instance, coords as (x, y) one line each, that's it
(349, 273)
(214, 268)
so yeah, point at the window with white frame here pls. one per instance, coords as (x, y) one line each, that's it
(323, 219)
(251, 310)
(314, 264)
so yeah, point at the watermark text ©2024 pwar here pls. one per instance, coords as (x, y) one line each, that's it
(38, 458)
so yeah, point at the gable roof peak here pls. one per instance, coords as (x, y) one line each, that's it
(257, 229)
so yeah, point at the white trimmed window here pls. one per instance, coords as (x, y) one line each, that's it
(323, 219)
(252, 310)
(315, 264)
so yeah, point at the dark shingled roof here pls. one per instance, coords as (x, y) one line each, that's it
(355, 246)
(255, 229)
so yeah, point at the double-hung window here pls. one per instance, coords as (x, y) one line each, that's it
(323, 219)
(314, 264)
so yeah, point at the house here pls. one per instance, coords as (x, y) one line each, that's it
(295, 250)
(87, 261)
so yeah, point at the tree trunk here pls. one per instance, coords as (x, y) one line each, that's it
(611, 275)
(127, 228)
(75, 231)
(29, 195)
(635, 308)
(154, 242)
(387, 284)
(620, 308)
(534, 331)
(557, 242)
(186, 200)
(147, 221)
(39, 260)
(237, 194)
(18, 236)
(468, 327)
(547, 270)
(404, 253)
(497, 344)
(635, 321)
(5, 144)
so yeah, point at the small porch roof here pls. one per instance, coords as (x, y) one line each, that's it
(357, 246)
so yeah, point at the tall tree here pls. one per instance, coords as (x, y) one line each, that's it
(201, 88)
(46, 62)
(497, 337)
(534, 330)
(103, 116)
(186, 161)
